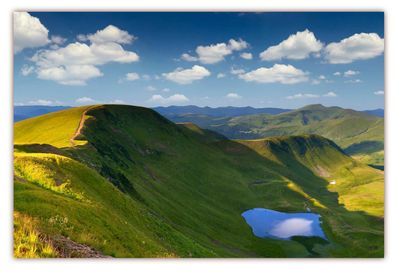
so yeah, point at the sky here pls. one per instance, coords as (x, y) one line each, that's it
(274, 59)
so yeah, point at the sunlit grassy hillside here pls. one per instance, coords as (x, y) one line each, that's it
(360, 187)
(56, 129)
(28, 242)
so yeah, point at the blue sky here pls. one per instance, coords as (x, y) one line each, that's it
(283, 60)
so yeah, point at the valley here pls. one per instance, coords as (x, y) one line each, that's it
(359, 134)
(125, 181)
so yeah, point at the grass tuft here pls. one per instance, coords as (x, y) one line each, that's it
(28, 241)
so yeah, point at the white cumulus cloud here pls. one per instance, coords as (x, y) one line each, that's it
(320, 79)
(151, 88)
(173, 99)
(236, 71)
(187, 76)
(90, 101)
(132, 76)
(296, 46)
(233, 96)
(350, 73)
(278, 73)
(330, 94)
(246, 56)
(44, 102)
(220, 75)
(111, 33)
(237, 45)
(77, 62)
(354, 81)
(73, 75)
(188, 57)
(214, 53)
(58, 40)
(29, 32)
(82, 37)
(86, 100)
(356, 47)
(27, 70)
(302, 96)
(379, 92)
(82, 54)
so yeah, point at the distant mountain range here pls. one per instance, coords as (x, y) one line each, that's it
(375, 112)
(25, 112)
(359, 133)
(228, 111)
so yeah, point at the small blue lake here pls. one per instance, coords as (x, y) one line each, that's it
(267, 223)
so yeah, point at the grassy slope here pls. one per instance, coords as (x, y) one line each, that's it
(341, 125)
(28, 242)
(309, 163)
(325, 159)
(203, 134)
(360, 134)
(183, 195)
(54, 128)
(102, 217)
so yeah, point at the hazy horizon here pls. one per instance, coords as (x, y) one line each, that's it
(277, 107)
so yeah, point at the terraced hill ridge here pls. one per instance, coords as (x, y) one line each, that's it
(137, 185)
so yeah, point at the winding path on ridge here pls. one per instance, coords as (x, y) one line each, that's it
(79, 128)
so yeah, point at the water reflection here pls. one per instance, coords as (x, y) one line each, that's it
(267, 223)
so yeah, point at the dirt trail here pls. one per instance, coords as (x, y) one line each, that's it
(67, 248)
(80, 126)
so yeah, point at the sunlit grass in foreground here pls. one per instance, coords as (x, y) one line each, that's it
(28, 242)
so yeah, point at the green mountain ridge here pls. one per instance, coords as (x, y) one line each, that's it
(358, 133)
(135, 184)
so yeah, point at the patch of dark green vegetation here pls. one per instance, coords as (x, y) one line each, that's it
(309, 242)
(38, 148)
(380, 167)
(120, 181)
(365, 147)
